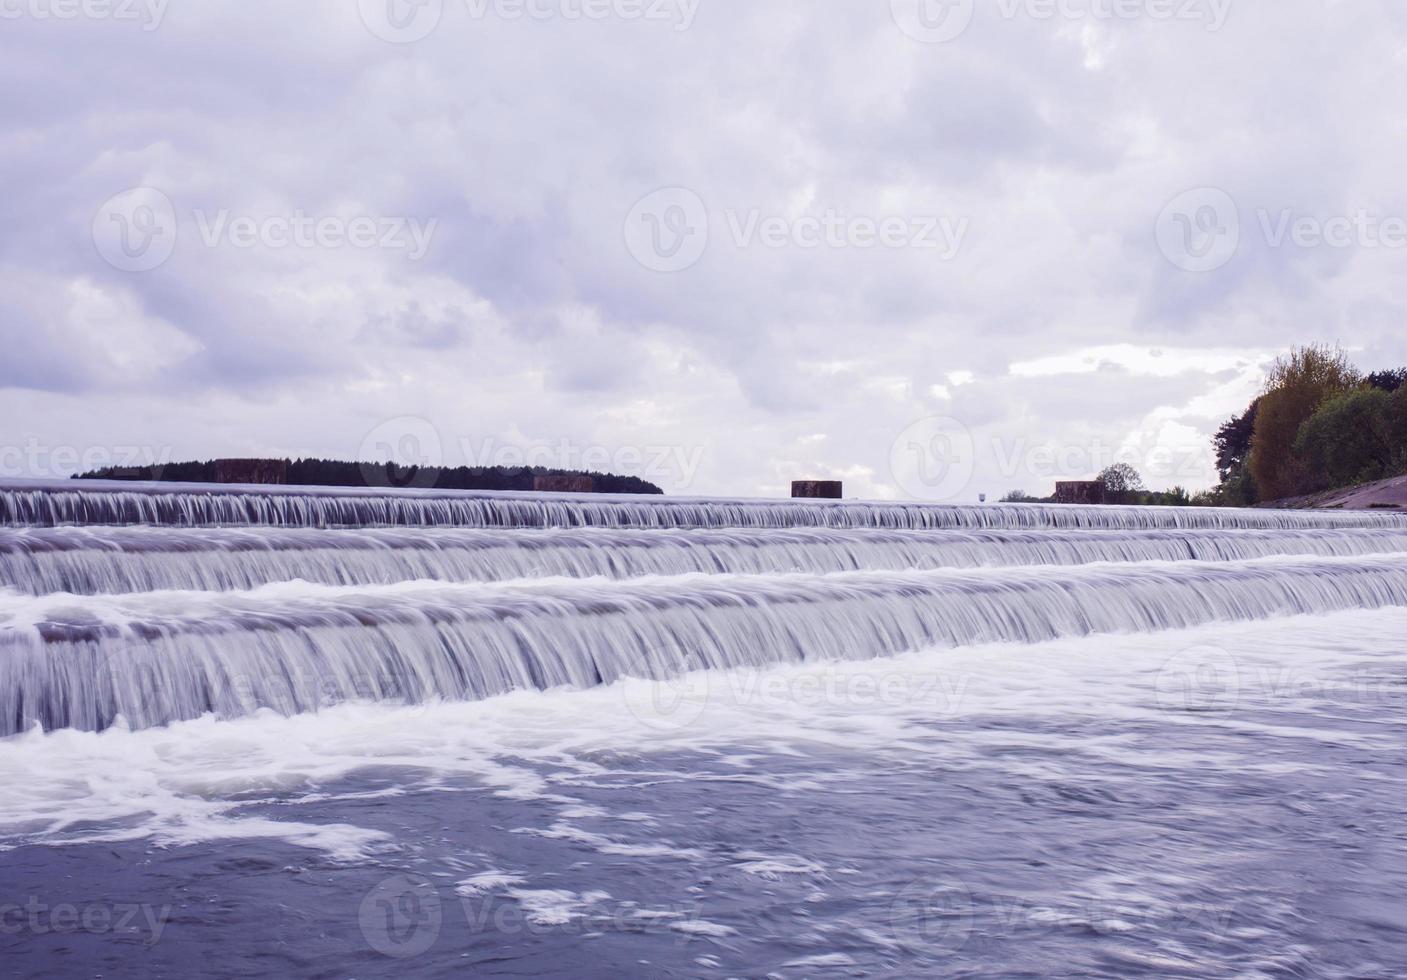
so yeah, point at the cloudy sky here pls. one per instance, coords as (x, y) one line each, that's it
(930, 248)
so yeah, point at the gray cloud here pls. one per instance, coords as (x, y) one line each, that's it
(1056, 144)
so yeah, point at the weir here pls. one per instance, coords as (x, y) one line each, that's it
(202, 505)
(95, 560)
(107, 618)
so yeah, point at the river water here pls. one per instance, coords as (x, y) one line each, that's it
(278, 732)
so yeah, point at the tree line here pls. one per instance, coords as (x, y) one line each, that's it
(337, 473)
(1319, 423)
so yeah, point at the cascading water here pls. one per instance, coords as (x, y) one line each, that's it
(95, 560)
(413, 732)
(46, 504)
(163, 657)
(176, 618)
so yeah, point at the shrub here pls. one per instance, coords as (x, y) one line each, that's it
(1348, 440)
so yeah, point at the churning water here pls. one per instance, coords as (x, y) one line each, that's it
(360, 733)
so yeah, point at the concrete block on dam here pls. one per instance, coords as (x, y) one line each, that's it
(817, 490)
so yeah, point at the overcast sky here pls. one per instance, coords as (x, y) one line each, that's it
(930, 249)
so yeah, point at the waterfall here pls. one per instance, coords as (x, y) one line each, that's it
(50, 504)
(96, 560)
(147, 605)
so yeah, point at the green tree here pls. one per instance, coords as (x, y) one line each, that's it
(1121, 482)
(1295, 387)
(1388, 381)
(1397, 429)
(1349, 439)
(1233, 442)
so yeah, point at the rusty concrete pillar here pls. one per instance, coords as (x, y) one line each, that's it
(818, 490)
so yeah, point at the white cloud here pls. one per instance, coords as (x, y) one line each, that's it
(1057, 325)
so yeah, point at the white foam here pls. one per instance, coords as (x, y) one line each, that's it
(702, 927)
(773, 867)
(486, 882)
(822, 959)
(553, 906)
(196, 780)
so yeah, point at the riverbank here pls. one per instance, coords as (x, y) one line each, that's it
(1388, 495)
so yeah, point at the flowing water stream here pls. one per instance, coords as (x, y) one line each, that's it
(372, 733)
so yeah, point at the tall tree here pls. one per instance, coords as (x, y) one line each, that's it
(1295, 387)
(1121, 482)
(1233, 442)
